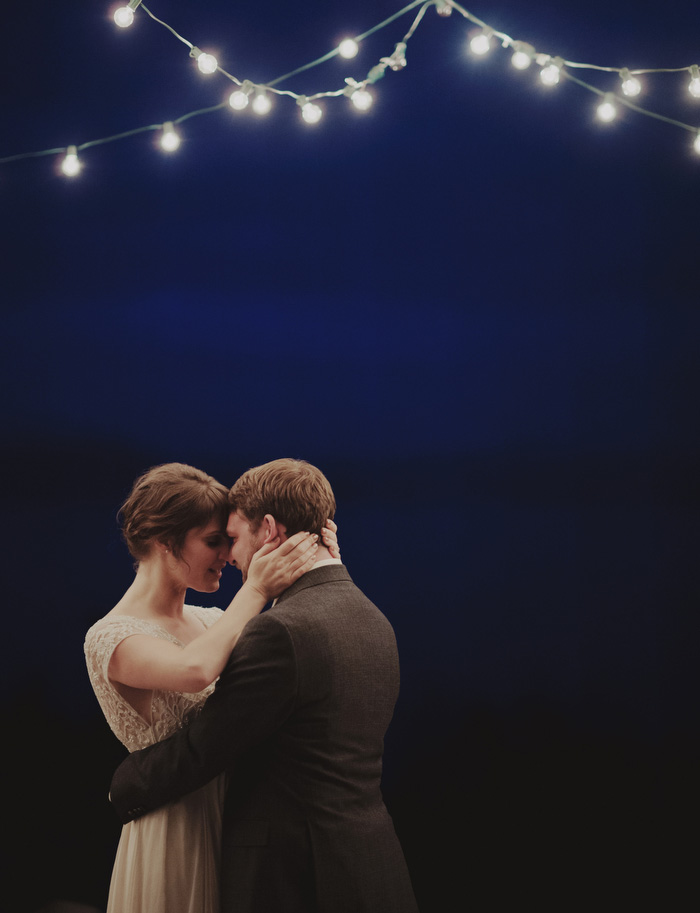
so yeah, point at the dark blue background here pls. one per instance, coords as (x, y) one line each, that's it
(474, 308)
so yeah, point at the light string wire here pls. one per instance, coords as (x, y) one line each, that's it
(374, 74)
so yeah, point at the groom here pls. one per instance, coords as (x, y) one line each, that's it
(298, 720)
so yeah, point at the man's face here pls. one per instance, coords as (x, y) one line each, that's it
(244, 542)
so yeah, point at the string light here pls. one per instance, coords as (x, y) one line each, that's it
(70, 165)
(124, 15)
(348, 48)
(480, 42)
(397, 61)
(550, 74)
(261, 103)
(696, 143)
(607, 110)
(240, 98)
(694, 84)
(362, 99)
(207, 63)
(170, 138)
(631, 86)
(311, 113)
(443, 8)
(523, 55)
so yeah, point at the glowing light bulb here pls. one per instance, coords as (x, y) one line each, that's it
(696, 143)
(124, 16)
(551, 72)
(70, 165)
(170, 138)
(207, 63)
(631, 86)
(261, 103)
(238, 100)
(348, 48)
(522, 56)
(311, 113)
(443, 7)
(362, 99)
(694, 84)
(607, 111)
(480, 43)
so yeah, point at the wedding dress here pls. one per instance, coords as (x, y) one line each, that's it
(168, 860)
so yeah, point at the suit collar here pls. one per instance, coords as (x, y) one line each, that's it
(330, 573)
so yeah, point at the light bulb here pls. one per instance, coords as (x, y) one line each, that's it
(169, 139)
(261, 103)
(238, 100)
(607, 111)
(631, 86)
(311, 113)
(444, 7)
(522, 56)
(348, 48)
(694, 84)
(124, 16)
(70, 165)
(696, 143)
(207, 63)
(362, 99)
(551, 73)
(480, 43)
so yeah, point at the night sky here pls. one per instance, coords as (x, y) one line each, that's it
(474, 307)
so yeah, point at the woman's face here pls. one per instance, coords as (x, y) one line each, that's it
(204, 556)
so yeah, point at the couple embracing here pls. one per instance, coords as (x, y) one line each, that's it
(256, 739)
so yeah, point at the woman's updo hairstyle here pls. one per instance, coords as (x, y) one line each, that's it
(165, 503)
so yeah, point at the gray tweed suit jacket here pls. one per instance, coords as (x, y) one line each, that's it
(298, 720)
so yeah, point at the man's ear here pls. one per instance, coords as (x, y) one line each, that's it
(271, 529)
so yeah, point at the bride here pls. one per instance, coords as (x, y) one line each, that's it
(153, 661)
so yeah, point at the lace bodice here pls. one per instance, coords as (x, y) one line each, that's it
(169, 709)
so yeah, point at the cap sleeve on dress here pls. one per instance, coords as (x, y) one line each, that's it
(103, 639)
(208, 616)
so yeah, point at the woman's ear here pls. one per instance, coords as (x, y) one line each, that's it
(162, 547)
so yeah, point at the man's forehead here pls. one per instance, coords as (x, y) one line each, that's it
(236, 523)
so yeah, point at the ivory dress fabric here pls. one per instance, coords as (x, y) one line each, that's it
(167, 861)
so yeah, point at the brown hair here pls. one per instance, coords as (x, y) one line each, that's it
(165, 503)
(296, 493)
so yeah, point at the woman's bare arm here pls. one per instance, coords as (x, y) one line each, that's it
(145, 662)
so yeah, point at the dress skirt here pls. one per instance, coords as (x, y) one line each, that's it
(168, 861)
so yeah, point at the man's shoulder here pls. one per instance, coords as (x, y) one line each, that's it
(326, 594)
(314, 584)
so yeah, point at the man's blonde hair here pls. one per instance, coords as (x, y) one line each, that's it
(294, 492)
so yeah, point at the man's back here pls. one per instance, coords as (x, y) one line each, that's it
(305, 826)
